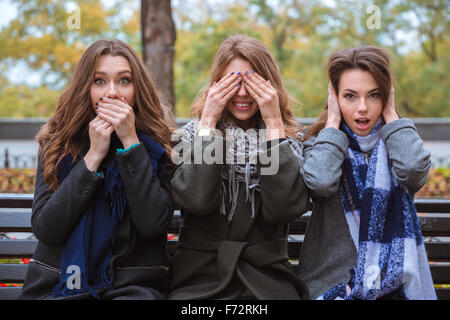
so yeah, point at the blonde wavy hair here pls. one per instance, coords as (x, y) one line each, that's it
(263, 62)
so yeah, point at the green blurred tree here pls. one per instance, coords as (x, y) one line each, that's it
(301, 34)
(48, 37)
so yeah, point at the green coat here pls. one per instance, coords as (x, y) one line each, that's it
(246, 257)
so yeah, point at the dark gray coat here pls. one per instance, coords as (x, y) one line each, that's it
(140, 264)
(246, 257)
(328, 252)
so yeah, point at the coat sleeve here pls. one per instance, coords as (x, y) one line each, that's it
(283, 193)
(324, 156)
(411, 162)
(196, 182)
(149, 199)
(56, 213)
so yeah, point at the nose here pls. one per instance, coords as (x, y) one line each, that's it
(242, 92)
(112, 92)
(362, 107)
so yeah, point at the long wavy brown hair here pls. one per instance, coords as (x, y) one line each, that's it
(263, 62)
(67, 130)
(367, 58)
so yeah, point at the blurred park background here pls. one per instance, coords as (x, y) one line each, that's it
(41, 41)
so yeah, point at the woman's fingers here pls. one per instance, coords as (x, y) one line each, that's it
(255, 86)
(228, 82)
(392, 97)
(117, 105)
(110, 108)
(111, 119)
(232, 86)
(114, 111)
(224, 81)
(252, 91)
(232, 92)
(109, 115)
(334, 111)
(259, 81)
(331, 92)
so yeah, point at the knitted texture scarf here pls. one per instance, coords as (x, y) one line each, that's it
(391, 256)
(88, 250)
(240, 159)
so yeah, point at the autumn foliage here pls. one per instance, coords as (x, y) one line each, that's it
(22, 181)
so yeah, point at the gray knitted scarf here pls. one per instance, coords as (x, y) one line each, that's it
(241, 156)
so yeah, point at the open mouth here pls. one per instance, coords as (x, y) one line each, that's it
(362, 123)
(242, 106)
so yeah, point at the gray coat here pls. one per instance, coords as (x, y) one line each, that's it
(246, 257)
(140, 264)
(328, 252)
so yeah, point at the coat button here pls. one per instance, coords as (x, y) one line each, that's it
(130, 171)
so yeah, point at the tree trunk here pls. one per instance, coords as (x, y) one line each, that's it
(158, 46)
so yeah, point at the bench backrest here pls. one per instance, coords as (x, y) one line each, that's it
(15, 217)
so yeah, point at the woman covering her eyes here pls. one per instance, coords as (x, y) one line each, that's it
(362, 167)
(102, 201)
(233, 241)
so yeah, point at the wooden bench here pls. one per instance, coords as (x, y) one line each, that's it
(15, 216)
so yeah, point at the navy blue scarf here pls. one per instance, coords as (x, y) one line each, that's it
(88, 251)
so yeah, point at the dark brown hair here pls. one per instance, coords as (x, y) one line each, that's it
(67, 130)
(368, 58)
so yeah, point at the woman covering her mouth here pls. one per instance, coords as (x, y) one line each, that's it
(233, 241)
(362, 166)
(102, 201)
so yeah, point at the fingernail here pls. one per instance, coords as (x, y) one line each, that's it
(238, 85)
(252, 72)
(231, 72)
(246, 72)
(101, 98)
(96, 104)
(238, 73)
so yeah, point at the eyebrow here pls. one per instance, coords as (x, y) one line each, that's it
(353, 91)
(120, 72)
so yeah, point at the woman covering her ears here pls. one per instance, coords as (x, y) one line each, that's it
(233, 241)
(363, 165)
(102, 201)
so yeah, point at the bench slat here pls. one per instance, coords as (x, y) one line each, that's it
(15, 220)
(25, 249)
(440, 272)
(25, 200)
(432, 205)
(16, 200)
(443, 293)
(19, 220)
(9, 293)
(17, 248)
(435, 250)
(13, 273)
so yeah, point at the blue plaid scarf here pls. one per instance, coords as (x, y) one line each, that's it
(391, 257)
(87, 253)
